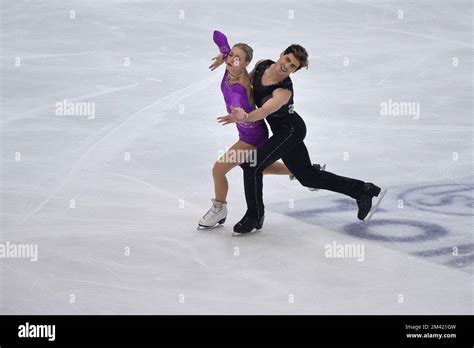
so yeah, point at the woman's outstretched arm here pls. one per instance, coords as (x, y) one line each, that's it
(221, 41)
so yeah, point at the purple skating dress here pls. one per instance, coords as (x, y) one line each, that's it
(253, 133)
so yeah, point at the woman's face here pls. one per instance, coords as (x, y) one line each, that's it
(235, 62)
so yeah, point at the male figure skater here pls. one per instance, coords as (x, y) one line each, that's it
(273, 93)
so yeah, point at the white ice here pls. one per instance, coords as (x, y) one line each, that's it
(112, 201)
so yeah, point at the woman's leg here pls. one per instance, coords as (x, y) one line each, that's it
(232, 158)
(277, 168)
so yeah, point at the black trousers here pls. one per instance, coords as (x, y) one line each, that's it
(287, 144)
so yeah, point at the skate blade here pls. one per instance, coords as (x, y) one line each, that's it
(374, 208)
(201, 227)
(254, 231)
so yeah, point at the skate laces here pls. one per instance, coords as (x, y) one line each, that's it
(211, 212)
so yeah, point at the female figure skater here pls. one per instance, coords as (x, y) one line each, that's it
(273, 92)
(237, 92)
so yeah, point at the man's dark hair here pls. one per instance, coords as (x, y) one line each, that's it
(300, 53)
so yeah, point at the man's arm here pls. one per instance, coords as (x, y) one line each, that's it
(279, 98)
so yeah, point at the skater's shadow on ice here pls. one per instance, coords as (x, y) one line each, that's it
(376, 230)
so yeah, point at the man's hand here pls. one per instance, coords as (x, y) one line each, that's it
(218, 60)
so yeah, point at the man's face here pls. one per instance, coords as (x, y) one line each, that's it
(287, 64)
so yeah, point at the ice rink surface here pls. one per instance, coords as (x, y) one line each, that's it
(112, 197)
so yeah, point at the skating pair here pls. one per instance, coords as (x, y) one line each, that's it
(270, 86)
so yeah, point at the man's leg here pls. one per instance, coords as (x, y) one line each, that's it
(267, 154)
(298, 162)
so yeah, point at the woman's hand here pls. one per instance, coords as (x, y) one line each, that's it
(230, 118)
(236, 115)
(241, 115)
(218, 60)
